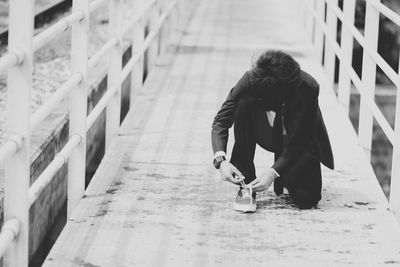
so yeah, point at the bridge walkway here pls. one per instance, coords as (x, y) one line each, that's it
(156, 199)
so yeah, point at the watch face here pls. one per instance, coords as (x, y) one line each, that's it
(216, 164)
(218, 160)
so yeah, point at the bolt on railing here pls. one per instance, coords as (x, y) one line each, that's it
(15, 152)
(320, 29)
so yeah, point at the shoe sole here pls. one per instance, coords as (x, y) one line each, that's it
(244, 208)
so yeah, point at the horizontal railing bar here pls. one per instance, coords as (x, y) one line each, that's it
(9, 148)
(9, 232)
(149, 5)
(95, 59)
(101, 105)
(129, 66)
(387, 12)
(55, 99)
(150, 37)
(137, 17)
(380, 118)
(8, 60)
(96, 4)
(387, 69)
(53, 31)
(47, 175)
(165, 15)
(130, 24)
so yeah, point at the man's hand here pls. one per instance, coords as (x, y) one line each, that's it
(264, 181)
(228, 171)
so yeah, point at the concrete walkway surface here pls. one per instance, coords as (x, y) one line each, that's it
(156, 199)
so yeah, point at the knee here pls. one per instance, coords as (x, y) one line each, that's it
(304, 199)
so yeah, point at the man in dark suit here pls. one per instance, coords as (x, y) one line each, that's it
(274, 105)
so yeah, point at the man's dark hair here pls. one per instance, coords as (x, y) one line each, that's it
(274, 67)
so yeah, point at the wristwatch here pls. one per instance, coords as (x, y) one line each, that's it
(218, 160)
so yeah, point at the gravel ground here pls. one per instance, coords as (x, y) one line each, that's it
(52, 62)
(39, 6)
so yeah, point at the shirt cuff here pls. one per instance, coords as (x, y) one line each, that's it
(276, 173)
(219, 153)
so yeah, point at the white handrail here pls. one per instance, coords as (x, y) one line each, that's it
(55, 99)
(53, 31)
(9, 233)
(96, 4)
(137, 17)
(100, 106)
(95, 59)
(7, 149)
(128, 67)
(19, 87)
(380, 118)
(8, 60)
(47, 175)
(366, 84)
(393, 76)
(131, 23)
(15, 151)
(384, 10)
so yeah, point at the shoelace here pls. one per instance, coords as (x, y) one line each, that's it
(243, 184)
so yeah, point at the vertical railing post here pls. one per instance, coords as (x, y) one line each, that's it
(395, 177)
(164, 31)
(330, 57)
(180, 11)
(318, 33)
(19, 82)
(344, 85)
(153, 48)
(309, 21)
(175, 16)
(137, 49)
(368, 77)
(113, 113)
(78, 105)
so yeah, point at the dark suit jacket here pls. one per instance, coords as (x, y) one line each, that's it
(302, 119)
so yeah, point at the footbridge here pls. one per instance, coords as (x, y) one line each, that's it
(156, 199)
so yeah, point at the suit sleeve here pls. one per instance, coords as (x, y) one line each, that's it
(301, 125)
(226, 115)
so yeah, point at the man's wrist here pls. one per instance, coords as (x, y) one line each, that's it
(218, 159)
(220, 154)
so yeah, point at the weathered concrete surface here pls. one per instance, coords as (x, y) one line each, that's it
(157, 201)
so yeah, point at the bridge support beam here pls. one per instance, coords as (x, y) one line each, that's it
(395, 176)
(318, 33)
(368, 77)
(113, 112)
(78, 105)
(344, 85)
(137, 49)
(330, 57)
(152, 52)
(17, 171)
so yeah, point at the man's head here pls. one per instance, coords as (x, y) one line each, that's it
(275, 74)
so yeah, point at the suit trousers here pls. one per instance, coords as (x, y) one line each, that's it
(251, 127)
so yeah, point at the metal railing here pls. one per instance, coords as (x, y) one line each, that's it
(15, 152)
(323, 25)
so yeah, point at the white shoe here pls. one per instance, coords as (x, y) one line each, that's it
(245, 200)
